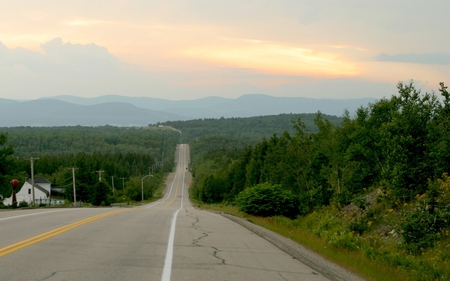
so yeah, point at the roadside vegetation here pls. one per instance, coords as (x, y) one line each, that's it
(371, 193)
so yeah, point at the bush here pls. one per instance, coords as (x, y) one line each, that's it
(344, 240)
(359, 225)
(267, 200)
(361, 203)
(422, 226)
(23, 204)
(420, 230)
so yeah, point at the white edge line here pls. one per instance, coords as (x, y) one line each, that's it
(169, 254)
(34, 214)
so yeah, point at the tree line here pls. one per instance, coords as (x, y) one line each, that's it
(400, 145)
(72, 139)
(248, 129)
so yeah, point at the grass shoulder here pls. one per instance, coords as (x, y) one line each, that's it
(361, 238)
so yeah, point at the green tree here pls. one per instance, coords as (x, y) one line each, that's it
(406, 138)
(6, 163)
(100, 194)
(439, 132)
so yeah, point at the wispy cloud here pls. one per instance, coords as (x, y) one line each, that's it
(274, 58)
(81, 22)
(437, 58)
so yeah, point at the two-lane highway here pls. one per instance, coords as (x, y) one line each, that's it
(165, 240)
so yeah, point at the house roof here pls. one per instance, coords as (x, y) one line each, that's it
(39, 180)
(47, 193)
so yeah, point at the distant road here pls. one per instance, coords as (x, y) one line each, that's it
(165, 240)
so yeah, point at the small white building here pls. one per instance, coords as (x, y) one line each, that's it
(42, 193)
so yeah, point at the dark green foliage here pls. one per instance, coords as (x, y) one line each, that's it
(267, 200)
(406, 138)
(429, 217)
(420, 230)
(119, 152)
(359, 225)
(247, 130)
(6, 164)
(100, 193)
(361, 203)
(23, 204)
(106, 139)
(396, 144)
(213, 189)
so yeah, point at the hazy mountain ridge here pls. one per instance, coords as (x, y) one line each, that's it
(141, 111)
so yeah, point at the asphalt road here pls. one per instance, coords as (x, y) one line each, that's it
(165, 240)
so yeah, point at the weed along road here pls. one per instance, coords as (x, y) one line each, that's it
(165, 240)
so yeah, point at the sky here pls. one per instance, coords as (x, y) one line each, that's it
(190, 49)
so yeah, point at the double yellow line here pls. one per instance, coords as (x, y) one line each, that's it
(36, 239)
(178, 179)
(176, 192)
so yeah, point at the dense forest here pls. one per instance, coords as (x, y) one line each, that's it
(29, 141)
(123, 155)
(398, 144)
(247, 130)
(391, 159)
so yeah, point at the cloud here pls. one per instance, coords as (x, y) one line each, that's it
(432, 58)
(273, 58)
(68, 69)
(89, 70)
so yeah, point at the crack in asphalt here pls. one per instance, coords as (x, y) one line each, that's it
(50, 276)
(281, 275)
(196, 241)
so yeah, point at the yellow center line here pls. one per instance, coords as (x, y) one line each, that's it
(175, 196)
(41, 237)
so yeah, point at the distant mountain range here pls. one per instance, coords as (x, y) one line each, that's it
(141, 111)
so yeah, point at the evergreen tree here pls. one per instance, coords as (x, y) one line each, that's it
(6, 164)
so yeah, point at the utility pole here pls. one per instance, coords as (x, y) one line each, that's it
(73, 183)
(142, 186)
(123, 183)
(32, 177)
(100, 174)
(112, 179)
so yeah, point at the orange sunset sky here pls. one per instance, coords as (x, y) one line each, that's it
(192, 49)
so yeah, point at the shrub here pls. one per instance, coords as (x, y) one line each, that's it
(344, 240)
(420, 230)
(267, 200)
(422, 226)
(361, 203)
(23, 204)
(359, 225)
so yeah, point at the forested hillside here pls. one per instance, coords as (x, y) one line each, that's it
(29, 141)
(123, 155)
(250, 129)
(376, 183)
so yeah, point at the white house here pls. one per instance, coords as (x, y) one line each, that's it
(42, 193)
